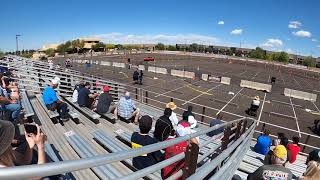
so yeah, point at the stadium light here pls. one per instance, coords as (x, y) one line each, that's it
(17, 43)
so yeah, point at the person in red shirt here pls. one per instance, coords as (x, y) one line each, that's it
(294, 149)
(182, 130)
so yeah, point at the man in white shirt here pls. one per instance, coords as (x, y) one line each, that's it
(252, 111)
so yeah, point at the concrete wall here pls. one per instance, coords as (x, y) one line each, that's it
(256, 85)
(105, 63)
(120, 65)
(225, 80)
(300, 95)
(157, 70)
(205, 77)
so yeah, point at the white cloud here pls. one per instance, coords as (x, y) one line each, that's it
(318, 46)
(221, 22)
(294, 24)
(270, 43)
(290, 51)
(314, 40)
(302, 33)
(236, 32)
(152, 39)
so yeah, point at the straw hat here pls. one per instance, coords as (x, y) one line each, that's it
(171, 105)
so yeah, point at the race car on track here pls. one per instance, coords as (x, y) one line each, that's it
(148, 59)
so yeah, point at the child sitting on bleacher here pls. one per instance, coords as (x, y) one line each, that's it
(140, 139)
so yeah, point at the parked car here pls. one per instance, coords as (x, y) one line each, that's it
(148, 59)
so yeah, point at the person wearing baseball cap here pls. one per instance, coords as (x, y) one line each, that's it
(276, 170)
(52, 101)
(105, 102)
(85, 97)
(10, 157)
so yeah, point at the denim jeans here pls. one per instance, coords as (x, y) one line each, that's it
(14, 109)
(62, 108)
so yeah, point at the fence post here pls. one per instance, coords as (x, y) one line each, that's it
(226, 138)
(203, 112)
(146, 98)
(244, 126)
(136, 93)
(306, 142)
(191, 159)
(263, 127)
(171, 99)
(238, 130)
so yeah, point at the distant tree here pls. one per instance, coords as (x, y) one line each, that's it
(119, 46)
(194, 47)
(50, 52)
(171, 48)
(160, 46)
(98, 47)
(258, 53)
(1, 54)
(269, 57)
(233, 50)
(110, 46)
(283, 57)
(309, 61)
(76, 45)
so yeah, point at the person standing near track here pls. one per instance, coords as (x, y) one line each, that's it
(135, 77)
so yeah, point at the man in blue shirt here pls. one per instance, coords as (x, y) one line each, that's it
(216, 122)
(52, 101)
(263, 143)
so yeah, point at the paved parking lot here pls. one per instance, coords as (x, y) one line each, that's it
(277, 112)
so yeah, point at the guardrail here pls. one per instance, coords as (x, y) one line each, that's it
(232, 143)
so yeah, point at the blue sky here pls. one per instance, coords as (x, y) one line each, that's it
(290, 25)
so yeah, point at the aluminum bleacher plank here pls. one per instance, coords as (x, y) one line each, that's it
(52, 114)
(88, 112)
(243, 175)
(28, 110)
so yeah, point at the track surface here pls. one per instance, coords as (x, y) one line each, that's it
(278, 113)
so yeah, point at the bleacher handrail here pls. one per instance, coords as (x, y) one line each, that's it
(44, 170)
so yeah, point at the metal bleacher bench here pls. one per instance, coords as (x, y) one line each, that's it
(28, 110)
(86, 111)
(85, 150)
(113, 145)
(52, 114)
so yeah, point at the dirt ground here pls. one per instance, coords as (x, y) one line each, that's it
(277, 112)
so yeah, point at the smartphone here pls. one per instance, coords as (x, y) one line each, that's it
(31, 128)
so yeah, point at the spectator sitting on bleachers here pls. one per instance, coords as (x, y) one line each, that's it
(126, 108)
(294, 149)
(216, 122)
(76, 91)
(283, 141)
(173, 118)
(163, 127)
(177, 149)
(105, 102)
(276, 170)
(140, 139)
(10, 157)
(85, 97)
(312, 171)
(11, 101)
(314, 156)
(190, 117)
(277, 141)
(52, 101)
(316, 127)
(263, 143)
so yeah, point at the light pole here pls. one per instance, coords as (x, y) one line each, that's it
(17, 43)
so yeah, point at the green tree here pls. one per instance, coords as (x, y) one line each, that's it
(172, 48)
(269, 57)
(110, 46)
(98, 47)
(283, 57)
(258, 53)
(119, 46)
(77, 45)
(50, 52)
(309, 61)
(1, 54)
(233, 51)
(160, 46)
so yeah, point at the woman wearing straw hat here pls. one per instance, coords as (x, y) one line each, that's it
(252, 111)
(173, 118)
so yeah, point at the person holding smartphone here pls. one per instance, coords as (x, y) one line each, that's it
(35, 139)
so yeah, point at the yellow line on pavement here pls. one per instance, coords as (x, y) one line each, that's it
(197, 90)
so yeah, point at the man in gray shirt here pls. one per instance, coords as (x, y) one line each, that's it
(275, 171)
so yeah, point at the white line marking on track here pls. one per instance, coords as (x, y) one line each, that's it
(201, 94)
(160, 82)
(242, 73)
(316, 107)
(229, 102)
(264, 100)
(172, 90)
(295, 116)
(297, 82)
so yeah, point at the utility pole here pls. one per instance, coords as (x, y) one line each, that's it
(17, 43)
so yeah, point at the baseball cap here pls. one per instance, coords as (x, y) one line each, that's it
(6, 135)
(106, 88)
(280, 151)
(55, 80)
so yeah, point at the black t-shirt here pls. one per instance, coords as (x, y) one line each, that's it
(83, 96)
(163, 128)
(104, 102)
(145, 160)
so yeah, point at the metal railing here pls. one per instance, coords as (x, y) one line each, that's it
(242, 135)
